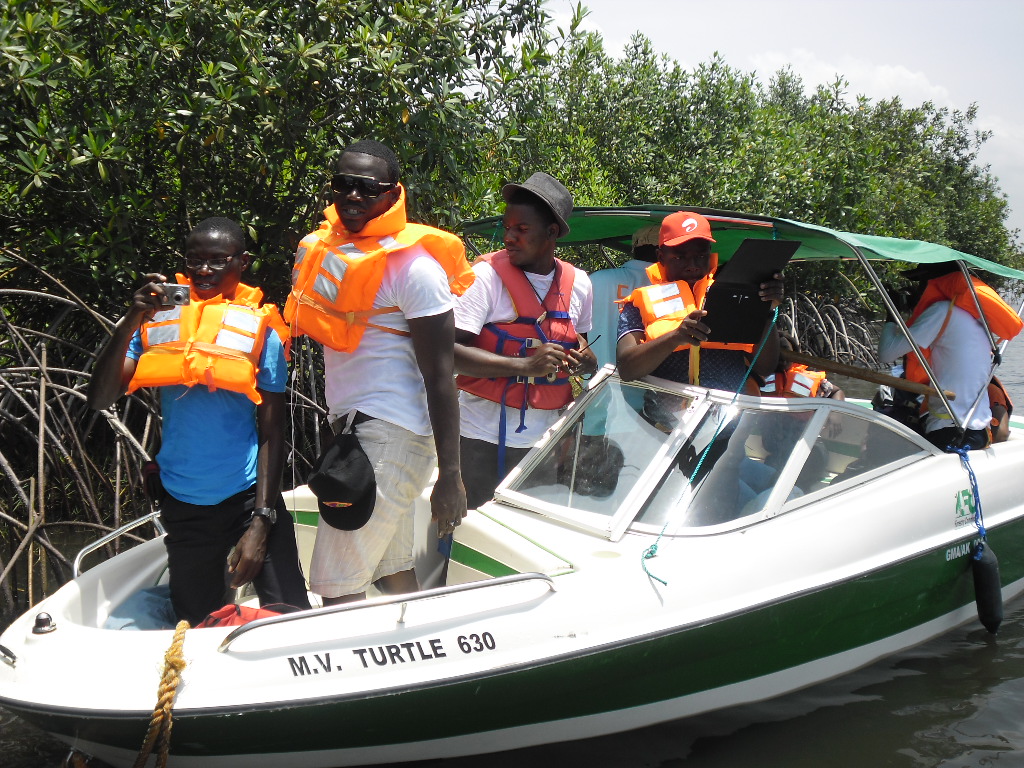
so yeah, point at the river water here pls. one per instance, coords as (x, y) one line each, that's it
(956, 702)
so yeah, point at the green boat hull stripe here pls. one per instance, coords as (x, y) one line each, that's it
(635, 672)
(478, 561)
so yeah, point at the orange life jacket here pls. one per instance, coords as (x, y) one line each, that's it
(664, 305)
(997, 395)
(796, 381)
(536, 323)
(337, 274)
(216, 342)
(1001, 318)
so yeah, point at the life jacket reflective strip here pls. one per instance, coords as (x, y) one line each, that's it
(664, 306)
(216, 342)
(797, 381)
(520, 337)
(1001, 318)
(337, 273)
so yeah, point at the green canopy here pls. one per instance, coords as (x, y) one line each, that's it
(613, 228)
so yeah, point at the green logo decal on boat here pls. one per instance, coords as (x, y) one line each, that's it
(964, 514)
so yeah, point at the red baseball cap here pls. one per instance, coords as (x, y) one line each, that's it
(681, 226)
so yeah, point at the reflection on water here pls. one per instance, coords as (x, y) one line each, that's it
(22, 746)
(956, 701)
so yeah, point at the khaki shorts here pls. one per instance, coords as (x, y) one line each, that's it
(347, 562)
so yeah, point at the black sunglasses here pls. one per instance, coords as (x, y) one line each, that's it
(215, 263)
(367, 186)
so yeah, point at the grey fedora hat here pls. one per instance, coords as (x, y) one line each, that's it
(551, 191)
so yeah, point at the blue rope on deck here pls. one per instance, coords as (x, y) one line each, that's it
(652, 551)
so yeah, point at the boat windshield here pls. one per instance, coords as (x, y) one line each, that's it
(690, 460)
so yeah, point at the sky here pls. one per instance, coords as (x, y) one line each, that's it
(951, 53)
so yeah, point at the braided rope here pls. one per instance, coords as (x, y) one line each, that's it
(979, 517)
(159, 735)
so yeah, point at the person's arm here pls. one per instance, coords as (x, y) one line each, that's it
(247, 558)
(892, 344)
(773, 291)
(583, 359)
(113, 370)
(481, 363)
(585, 362)
(433, 341)
(831, 391)
(637, 357)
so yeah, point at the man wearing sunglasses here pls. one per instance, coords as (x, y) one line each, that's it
(219, 360)
(376, 291)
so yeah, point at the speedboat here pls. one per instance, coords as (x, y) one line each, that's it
(665, 550)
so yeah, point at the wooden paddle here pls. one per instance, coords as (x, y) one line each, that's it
(865, 374)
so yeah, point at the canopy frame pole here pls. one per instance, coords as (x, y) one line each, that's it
(997, 359)
(977, 303)
(877, 282)
(604, 254)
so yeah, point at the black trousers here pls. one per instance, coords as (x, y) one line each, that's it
(973, 439)
(480, 468)
(198, 541)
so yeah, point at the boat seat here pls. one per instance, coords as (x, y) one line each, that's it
(486, 548)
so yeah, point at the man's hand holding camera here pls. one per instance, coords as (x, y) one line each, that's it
(156, 295)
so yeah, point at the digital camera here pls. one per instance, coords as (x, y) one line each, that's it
(174, 295)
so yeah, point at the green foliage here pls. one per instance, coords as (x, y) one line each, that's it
(640, 129)
(125, 123)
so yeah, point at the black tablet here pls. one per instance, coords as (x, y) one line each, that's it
(756, 261)
(735, 311)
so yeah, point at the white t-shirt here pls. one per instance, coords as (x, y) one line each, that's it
(961, 359)
(381, 378)
(487, 301)
(610, 285)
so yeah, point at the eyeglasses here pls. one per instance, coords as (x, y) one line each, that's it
(215, 262)
(367, 186)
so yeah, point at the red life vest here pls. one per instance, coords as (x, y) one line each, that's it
(536, 323)
(796, 381)
(235, 616)
(1001, 318)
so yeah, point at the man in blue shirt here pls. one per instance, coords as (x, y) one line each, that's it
(221, 368)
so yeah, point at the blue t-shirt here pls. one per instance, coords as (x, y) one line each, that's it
(210, 442)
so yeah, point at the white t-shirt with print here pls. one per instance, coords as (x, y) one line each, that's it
(488, 301)
(381, 378)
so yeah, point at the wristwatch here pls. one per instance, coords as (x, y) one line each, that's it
(267, 513)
